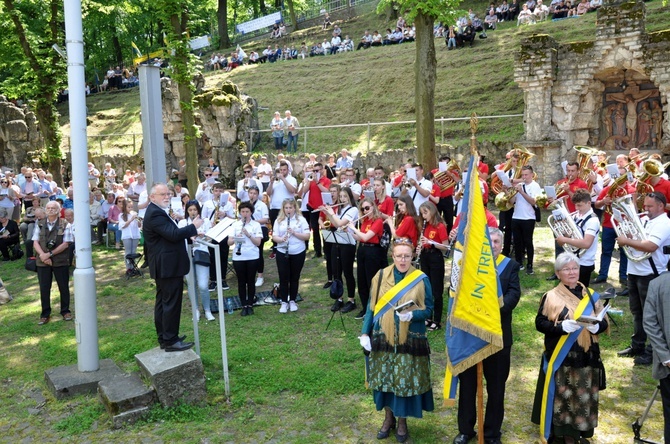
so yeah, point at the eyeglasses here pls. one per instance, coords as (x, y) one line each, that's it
(247, 172)
(403, 257)
(657, 196)
(570, 270)
(403, 241)
(366, 208)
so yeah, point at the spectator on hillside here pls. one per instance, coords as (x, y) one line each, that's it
(572, 8)
(400, 23)
(325, 46)
(468, 34)
(268, 53)
(541, 11)
(253, 58)
(409, 32)
(275, 31)
(336, 30)
(303, 51)
(376, 39)
(397, 36)
(335, 43)
(491, 20)
(389, 36)
(595, 4)
(276, 55)
(477, 24)
(451, 38)
(560, 11)
(583, 7)
(347, 44)
(531, 5)
(282, 30)
(502, 11)
(326, 21)
(223, 61)
(365, 42)
(513, 10)
(317, 50)
(213, 63)
(525, 16)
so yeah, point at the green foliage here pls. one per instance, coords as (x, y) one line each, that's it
(81, 421)
(180, 413)
(444, 10)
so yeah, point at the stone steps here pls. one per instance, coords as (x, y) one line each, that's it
(126, 398)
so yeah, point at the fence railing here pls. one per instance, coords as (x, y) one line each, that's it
(104, 143)
(254, 137)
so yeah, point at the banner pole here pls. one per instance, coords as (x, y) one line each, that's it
(480, 403)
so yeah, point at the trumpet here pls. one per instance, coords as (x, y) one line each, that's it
(603, 164)
(626, 223)
(239, 245)
(562, 223)
(503, 199)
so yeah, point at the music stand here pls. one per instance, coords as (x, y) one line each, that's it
(340, 238)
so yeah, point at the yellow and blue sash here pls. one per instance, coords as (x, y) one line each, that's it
(585, 307)
(391, 297)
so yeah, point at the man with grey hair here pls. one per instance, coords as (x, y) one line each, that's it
(496, 366)
(291, 126)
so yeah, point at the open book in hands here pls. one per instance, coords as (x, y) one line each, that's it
(591, 320)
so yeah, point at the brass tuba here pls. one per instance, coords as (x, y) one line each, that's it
(626, 222)
(562, 224)
(584, 155)
(503, 200)
(649, 168)
(443, 179)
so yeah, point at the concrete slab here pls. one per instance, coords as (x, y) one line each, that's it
(176, 376)
(122, 393)
(66, 381)
(130, 417)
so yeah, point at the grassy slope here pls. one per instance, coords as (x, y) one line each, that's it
(376, 85)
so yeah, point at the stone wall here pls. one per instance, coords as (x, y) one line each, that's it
(566, 85)
(20, 138)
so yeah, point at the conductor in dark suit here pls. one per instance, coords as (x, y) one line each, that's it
(168, 264)
(496, 367)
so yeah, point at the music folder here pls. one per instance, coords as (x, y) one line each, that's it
(221, 230)
(338, 237)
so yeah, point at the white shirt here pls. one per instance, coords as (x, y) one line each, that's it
(206, 225)
(209, 207)
(416, 196)
(248, 251)
(590, 227)
(658, 232)
(348, 213)
(522, 209)
(144, 197)
(242, 194)
(279, 192)
(68, 236)
(131, 231)
(299, 225)
(264, 168)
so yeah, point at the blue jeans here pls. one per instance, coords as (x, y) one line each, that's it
(202, 285)
(608, 242)
(292, 140)
(279, 142)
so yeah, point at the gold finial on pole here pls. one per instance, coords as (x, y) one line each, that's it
(474, 123)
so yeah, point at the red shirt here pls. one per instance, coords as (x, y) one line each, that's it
(574, 186)
(407, 228)
(436, 234)
(436, 191)
(491, 220)
(607, 218)
(315, 200)
(398, 180)
(483, 168)
(376, 226)
(386, 207)
(663, 186)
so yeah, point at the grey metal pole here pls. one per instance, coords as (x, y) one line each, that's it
(152, 124)
(86, 327)
(368, 137)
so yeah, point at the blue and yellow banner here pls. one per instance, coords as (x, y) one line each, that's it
(136, 50)
(388, 301)
(473, 330)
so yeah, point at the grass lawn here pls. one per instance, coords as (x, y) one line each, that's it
(291, 381)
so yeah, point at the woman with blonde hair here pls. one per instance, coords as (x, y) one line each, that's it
(406, 223)
(395, 338)
(382, 201)
(290, 232)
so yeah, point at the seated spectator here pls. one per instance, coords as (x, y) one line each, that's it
(326, 21)
(531, 5)
(347, 44)
(303, 52)
(253, 58)
(595, 4)
(316, 50)
(223, 61)
(572, 8)
(525, 16)
(293, 53)
(513, 11)
(365, 42)
(325, 46)
(397, 36)
(468, 34)
(376, 39)
(235, 61)
(337, 31)
(282, 30)
(275, 31)
(451, 38)
(560, 11)
(583, 7)
(9, 234)
(541, 11)
(502, 11)
(267, 53)
(104, 84)
(477, 24)
(389, 36)
(213, 63)
(438, 30)
(335, 43)
(276, 54)
(408, 34)
(400, 23)
(491, 20)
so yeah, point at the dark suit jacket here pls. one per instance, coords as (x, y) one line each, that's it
(656, 321)
(168, 257)
(511, 290)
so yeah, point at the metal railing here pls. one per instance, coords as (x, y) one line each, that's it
(254, 137)
(104, 143)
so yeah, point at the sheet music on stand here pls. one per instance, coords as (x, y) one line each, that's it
(613, 170)
(338, 237)
(221, 230)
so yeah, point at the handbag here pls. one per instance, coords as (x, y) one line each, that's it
(385, 239)
(17, 252)
(4, 294)
(538, 214)
(201, 257)
(336, 289)
(31, 264)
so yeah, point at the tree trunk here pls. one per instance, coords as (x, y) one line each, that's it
(222, 15)
(291, 11)
(118, 52)
(264, 9)
(425, 67)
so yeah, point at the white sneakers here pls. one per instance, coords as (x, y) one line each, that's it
(209, 316)
(259, 281)
(285, 307)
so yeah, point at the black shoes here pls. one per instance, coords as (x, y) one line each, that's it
(623, 292)
(337, 306)
(246, 311)
(349, 306)
(401, 438)
(644, 359)
(178, 346)
(224, 285)
(529, 270)
(630, 352)
(360, 315)
(600, 280)
(383, 434)
(179, 339)
(462, 438)
(553, 277)
(328, 284)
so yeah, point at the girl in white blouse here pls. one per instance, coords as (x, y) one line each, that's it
(246, 239)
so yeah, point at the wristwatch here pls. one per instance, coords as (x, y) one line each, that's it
(51, 254)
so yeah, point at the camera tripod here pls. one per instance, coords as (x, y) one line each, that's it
(639, 422)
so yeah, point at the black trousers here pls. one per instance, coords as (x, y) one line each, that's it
(505, 225)
(369, 260)
(102, 227)
(167, 309)
(343, 263)
(496, 371)
(5, 244)
(45, 276)
(316, 233)
(665, 398)
(306, 215)
(637, 295)
(261, 260)
(446, 208)
(522, 230)
(289, 267)
(273, 217)
(432, 263)
(224, 248)
(246, 281)
(585, 274)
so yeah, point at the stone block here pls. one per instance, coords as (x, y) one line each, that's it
(68, 381)
(176, 376)
(123, 393)
(130, 417)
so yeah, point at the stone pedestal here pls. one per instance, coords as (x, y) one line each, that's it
(177, 376)
(126, 398)
(68, 381)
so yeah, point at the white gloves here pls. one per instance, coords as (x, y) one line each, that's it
(570, 325)
(593, 328)
(406, 316)
(365, 343)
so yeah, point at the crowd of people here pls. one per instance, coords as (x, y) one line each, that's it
(353, 224)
